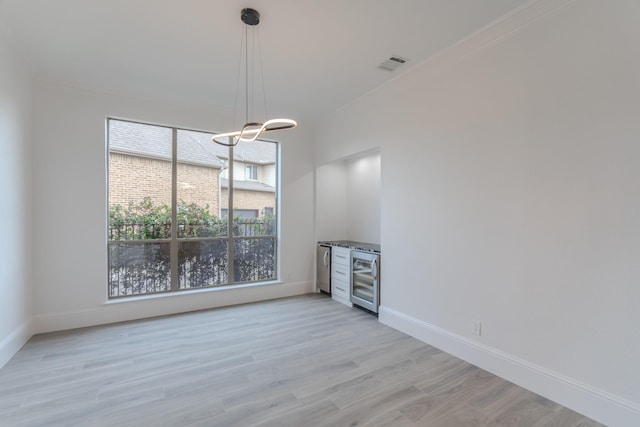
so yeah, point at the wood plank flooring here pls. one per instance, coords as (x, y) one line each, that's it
(303, 361)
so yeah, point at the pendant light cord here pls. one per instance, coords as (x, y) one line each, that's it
(244, 45)
(246, 74)
(251, 131)
(235, 105)
(264, 92)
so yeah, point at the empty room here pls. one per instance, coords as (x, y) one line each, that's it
(320, 213)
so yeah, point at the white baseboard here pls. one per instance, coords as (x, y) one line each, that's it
(165, 304)
(595, 403)
(13, 342)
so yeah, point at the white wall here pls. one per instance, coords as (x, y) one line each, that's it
(267, 174)
(363, 198)
(331, 201)
(348, 199)
(526, 149)
(15, 203)
(70, 209)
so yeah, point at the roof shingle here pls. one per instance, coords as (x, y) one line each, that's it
(155, 142)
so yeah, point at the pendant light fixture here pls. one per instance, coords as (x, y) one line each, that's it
(251, 129)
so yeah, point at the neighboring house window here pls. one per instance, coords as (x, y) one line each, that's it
(168, 208)
(251, 173)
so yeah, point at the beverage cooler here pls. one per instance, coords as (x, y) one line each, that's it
(365, 280)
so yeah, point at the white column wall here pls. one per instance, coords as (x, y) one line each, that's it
(527, 156)
(15, 202)
(363, 198)
(331, 201)
(348, 199)
(70, 250)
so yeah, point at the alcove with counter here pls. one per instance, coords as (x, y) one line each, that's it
(348, 193)
(348, 222)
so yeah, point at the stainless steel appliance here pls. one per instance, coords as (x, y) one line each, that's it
(365, 280)
(323, 268)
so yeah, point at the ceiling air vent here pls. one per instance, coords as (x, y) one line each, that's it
(392, 63)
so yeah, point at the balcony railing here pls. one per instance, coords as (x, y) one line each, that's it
(140, 263)
(242, 227)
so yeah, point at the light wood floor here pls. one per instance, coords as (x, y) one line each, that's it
(304, 361)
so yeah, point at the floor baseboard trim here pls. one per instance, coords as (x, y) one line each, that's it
(165, 305)
(13, 342)
(595, 403)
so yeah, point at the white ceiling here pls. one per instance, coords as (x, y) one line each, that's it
(317, 54)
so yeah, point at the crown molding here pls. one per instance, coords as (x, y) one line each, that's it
(497, 31)
(491, 34)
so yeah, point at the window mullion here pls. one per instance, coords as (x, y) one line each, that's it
(173, 249)
(230, 247)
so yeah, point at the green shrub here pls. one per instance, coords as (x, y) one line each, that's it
(145, 220)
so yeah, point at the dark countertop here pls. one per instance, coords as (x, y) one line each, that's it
(358, 246)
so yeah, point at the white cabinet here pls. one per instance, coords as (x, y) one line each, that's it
(341, 274)
(340, 255)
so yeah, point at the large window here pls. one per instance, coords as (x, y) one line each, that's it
(169, 199)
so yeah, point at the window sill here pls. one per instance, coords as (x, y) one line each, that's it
(135, 298)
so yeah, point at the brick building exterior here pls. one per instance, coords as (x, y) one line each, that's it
(140, 167)
(132, 178)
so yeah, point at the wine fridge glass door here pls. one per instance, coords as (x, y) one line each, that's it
(364, 280)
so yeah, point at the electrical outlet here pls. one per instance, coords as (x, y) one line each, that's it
(476, 327)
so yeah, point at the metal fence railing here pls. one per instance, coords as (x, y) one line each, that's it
(162, 230)
(139, 255)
